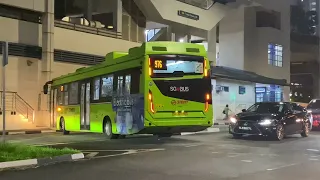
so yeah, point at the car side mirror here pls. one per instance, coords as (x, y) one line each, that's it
(244, 110)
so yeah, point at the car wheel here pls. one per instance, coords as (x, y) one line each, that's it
(63, 127)
(279, 132)
(305, 131)
(237, 136)
(107, 130)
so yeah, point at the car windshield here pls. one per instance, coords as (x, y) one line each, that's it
(266, 108)
(314, 104)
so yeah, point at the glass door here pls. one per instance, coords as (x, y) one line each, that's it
(85, 106)
(53, 108)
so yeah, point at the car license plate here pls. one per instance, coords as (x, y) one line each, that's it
(245, 128)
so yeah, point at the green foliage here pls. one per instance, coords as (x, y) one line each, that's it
(13, 152)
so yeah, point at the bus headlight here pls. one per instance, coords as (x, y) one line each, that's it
(233, 120)
(266, 122)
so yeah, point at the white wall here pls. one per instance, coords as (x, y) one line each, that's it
(231, 39)
(89, 43)
(236, 101)
(13, 30)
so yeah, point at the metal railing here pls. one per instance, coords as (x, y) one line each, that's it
(203, 4)
(88, 29)
(15, 104)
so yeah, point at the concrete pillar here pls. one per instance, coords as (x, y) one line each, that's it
(42, 116)
(212, 46)
(88, 12)
(117, 15)
(170, 35)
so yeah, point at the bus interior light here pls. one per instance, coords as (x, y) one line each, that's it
(59, 109)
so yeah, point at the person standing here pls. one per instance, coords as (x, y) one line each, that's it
(226, 111)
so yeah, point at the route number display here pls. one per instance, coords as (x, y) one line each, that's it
(159, 64)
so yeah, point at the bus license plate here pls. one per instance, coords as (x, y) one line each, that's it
(245, 128)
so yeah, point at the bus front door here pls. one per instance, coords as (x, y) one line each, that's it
(85, 106)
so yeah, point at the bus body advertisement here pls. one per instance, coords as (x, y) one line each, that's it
(159, 88)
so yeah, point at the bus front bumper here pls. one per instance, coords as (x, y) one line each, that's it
(172, 129)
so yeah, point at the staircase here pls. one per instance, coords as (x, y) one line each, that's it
(17, 106)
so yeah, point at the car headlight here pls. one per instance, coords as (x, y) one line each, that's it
(233, 120)
(266, 122)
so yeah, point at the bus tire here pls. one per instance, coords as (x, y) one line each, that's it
(63, 127)
(107, 129)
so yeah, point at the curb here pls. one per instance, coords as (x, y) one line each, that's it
(40, 161)
(29, 132)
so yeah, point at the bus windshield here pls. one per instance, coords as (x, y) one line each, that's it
(176, 66)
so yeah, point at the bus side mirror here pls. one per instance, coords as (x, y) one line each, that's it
(243, 110)
(45, 89)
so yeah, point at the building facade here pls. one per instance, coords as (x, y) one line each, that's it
(50, 38)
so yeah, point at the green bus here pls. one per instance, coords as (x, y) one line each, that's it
(160, 88)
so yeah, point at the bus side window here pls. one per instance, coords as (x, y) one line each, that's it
(135, 82)
(73, 93)
(127, 85)
(119, 85)
(96, 90)
(60, 95)
(66, 95)
(107, 87)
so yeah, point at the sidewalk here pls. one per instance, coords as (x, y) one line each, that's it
(30, 131)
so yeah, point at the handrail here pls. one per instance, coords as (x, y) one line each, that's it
(87, 29)
(16, 104)
(24, 101)
(205, 8)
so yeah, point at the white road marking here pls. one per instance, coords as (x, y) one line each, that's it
(312, 159)
(194, 145)
(314, 156)
(232, 155)
(314, 150)
(52, 144)
(247, 161)
(128, 153)
(91, 154)
(280, 167)
(215, 152)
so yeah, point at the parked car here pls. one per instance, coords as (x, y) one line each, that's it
(314, 109)
(272, 119)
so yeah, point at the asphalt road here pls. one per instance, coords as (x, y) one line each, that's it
(197, 157)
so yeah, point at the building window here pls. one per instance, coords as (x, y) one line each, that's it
(268, 19)
(225, 88)
(275, 55)
(20, 14)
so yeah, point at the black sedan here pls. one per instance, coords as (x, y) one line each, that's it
(272, 119)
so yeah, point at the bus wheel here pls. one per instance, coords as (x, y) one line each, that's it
(107, 130)
(63, 126)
